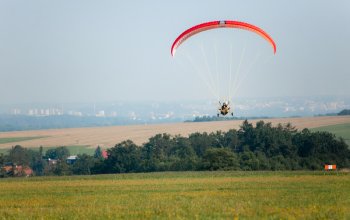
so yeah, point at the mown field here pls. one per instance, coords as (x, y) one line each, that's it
(107, 137)
(18, 139)
(341, 130)
(179, 195)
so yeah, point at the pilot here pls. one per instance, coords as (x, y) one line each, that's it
(224, 106)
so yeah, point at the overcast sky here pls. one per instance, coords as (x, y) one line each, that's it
(74, 51)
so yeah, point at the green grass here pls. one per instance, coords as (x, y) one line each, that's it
(341, 130)
(4, 150)
(18, 139)
(74, 150)
(179, 195)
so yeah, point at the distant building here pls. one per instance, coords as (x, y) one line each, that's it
(8, 168)
(100, 114)
(52, 161)
(75, 113)
(71, 159)
(17, 170)
(24, 171)
(104, 154)
(16, 111)
(114, 114)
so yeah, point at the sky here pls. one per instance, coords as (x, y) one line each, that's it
(88, 51)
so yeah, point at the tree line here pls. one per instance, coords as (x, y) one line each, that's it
(259, 147)
(344, 112)
(207, 118)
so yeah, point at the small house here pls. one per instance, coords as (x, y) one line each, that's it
(104, 154)
(71, 159)
(52, 161)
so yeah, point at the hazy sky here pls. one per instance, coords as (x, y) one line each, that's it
(67, 51)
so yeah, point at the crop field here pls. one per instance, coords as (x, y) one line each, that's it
(18, 139)
(341, 130)
(179, 195)
(109, 136)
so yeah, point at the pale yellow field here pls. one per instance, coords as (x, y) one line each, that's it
(109, 136)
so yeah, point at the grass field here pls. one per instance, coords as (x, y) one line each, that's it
(73, 150)
(341, 130)
(179, 195)
(18, 139)
(76, 149)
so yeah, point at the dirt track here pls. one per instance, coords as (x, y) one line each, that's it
(109, 136)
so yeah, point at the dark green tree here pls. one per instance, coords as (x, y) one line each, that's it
(83, 165)
(20, 155)
(182, 155)
(155, 153)
(38, 163)
(59, 153)
(200, 142)
(246, 135)
(2, 159)
(344, 112)
(62, 169)
(248, 160)
(231, 140)
(125, 157)
(98, 153)
(220, 159)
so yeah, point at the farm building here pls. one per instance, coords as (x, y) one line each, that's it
(71, 159)
(17, 170)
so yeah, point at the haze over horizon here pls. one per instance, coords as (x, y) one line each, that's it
(86, 51)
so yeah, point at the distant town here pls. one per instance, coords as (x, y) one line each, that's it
(179, 111)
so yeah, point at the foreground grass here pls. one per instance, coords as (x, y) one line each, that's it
(341, 130)
(190, 195)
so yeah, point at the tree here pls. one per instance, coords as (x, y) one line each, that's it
(246, 135)
(62, 169)
(59, 153)
(201, 142)
(155, 153)
(231, 140)
(220, 159)
(83, 164)
(125, 157)
(344, 112)
(98, 153)
(182, 155)
(2, 160)
(2, 163)
(248, 160)
(37, 162)
(20, 155)
(277, 163)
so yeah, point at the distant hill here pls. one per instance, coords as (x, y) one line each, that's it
(22, 122)
(344, 112)
(215, 118)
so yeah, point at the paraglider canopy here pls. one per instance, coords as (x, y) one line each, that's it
(223, 81)
(220, 24)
